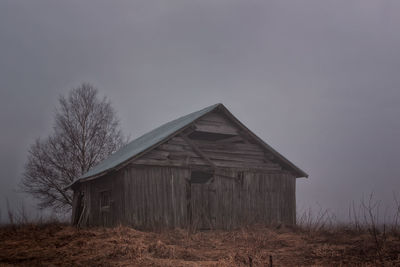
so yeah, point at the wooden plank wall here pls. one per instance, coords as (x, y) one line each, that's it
(265, 198)
(155, 197)
(177, 152)
(143, 197)
(94, 215)
(215, 122)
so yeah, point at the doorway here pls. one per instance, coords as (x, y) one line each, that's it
(202, 200)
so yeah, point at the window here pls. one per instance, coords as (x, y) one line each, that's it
(105, 199)
(200, 177)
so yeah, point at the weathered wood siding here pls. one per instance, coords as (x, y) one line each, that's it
(162, 197)
(155, 197)
(154, 190)
(235, 152)
(254, 198)
(93, 214)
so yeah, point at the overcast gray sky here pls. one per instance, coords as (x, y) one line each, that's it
(317, 80)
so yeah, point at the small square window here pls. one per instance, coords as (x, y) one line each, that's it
(105, 199)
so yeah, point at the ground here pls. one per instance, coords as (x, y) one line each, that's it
(57, 244)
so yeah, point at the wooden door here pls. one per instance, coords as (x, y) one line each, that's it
(202, 199)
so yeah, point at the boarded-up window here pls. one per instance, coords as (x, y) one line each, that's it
(200, 177)
(105, 200)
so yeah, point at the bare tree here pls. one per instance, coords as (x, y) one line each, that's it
(85, 132)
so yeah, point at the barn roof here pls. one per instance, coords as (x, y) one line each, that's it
(162, 133)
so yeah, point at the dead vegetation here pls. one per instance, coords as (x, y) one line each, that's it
(58, 244)
(317, 240)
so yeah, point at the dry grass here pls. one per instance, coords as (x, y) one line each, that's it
(57, 244)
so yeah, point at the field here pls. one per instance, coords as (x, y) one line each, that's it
(55, 244)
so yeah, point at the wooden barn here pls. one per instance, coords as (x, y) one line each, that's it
(204, 170)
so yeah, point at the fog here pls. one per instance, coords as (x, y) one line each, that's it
(318, 81)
